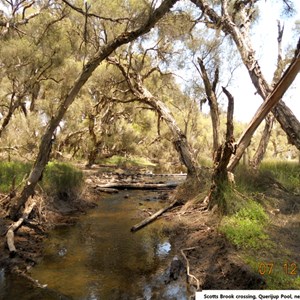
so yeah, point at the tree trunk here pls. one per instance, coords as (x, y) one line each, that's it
(143, 95)
(179, 139)
(88, 69)
(263, 144)
(264, 141)
(222, 157)
(240, 35)
(210, 90)
(279, 90)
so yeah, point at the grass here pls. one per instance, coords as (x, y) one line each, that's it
(60, 178)
(245, 228)
(127, 162)
(286, 172)
(274, 272)
(247, 225)
(57, 178)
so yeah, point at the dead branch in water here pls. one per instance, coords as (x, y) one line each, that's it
(153, 217)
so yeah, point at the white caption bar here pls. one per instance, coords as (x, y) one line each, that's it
(248, 295)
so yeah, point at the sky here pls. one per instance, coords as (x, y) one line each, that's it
(265, 44)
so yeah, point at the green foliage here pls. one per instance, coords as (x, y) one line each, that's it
(61, 179)
(126, 162)
(245, 228)
(11, 170)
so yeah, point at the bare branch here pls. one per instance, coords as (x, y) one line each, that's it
(81, 11)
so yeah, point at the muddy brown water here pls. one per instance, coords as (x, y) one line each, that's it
(99, 258)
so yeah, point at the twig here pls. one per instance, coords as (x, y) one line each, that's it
(188, 267)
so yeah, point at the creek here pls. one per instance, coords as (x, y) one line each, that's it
(99, 258)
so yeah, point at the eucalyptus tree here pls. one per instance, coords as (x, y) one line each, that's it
(139, 92)
(235, 19)
(122, 32)
(28, 57)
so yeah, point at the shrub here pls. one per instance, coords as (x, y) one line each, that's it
(61, 179)
(11, 170)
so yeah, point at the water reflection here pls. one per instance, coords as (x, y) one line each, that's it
(99, 258)
(163, 249)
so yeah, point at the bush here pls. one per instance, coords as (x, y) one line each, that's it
(11, 170)
(61, 179)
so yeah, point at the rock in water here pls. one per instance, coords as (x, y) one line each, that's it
(176, 268)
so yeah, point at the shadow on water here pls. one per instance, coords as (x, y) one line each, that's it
(99, 258)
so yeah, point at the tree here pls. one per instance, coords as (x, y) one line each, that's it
(235, 21)
(280, 88)
(68, 98)
(142, 94)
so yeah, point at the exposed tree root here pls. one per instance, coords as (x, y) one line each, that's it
(153, 217)
(14, 226)
(191, 276)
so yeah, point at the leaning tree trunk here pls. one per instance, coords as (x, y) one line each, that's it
(263, 144)
(279, 90)
(103, 52)
(240, 35)
(179, 139)
(269, 120)
(143, 95)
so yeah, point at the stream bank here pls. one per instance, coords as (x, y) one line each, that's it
(147, 266)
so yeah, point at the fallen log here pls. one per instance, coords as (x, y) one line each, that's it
(153, 217)
(14, 227)
(106, 190)
(138, 186)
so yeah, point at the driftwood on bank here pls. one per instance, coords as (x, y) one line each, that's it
(153, 217)
(137, 186)
(14, 226)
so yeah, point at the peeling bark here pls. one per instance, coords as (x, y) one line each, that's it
(269, 120)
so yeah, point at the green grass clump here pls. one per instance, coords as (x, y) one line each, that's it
(11, 170)
(245, 228)
(61, 178)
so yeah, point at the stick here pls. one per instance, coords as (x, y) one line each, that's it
(14, 227)
(188, 267)
(152, 218)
